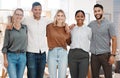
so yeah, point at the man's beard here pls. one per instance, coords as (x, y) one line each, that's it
(99, 17)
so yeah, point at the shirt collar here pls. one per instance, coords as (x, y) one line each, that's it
(102, 20)
(22, 27)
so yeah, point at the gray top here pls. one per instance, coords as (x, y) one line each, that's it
(15, 40)
(101, 36)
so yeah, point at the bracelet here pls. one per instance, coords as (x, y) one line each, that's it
(113, 55)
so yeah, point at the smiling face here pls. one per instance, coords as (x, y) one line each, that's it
(98, 13)
(37, 11)
(60, 17)
(18, 15)
(79, 17)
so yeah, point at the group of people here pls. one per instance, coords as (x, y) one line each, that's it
(27, 41)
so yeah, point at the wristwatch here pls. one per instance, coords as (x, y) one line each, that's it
(113, 55)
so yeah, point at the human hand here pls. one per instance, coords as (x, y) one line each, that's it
(67, 29)
(9, 26)
(72, 26)
(111, 59)
(5, 63)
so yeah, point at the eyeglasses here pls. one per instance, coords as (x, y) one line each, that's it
(19, 14)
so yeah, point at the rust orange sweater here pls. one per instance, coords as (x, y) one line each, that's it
(57, 36)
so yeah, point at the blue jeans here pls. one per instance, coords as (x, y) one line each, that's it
(36, 64)
(57, 58)
(16, 64)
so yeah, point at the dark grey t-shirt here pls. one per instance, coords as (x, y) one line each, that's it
(15, 40)
(101, 36)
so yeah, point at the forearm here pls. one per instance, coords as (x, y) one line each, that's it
(114, 45)
(5, 56)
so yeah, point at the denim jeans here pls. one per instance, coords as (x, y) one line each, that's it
(36, 64)
(16, 64)
(57, 58)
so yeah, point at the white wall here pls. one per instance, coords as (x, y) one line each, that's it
(85, 5)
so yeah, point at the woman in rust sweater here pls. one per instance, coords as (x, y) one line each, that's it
(58, 39)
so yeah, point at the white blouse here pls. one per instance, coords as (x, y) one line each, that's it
(80, 37)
